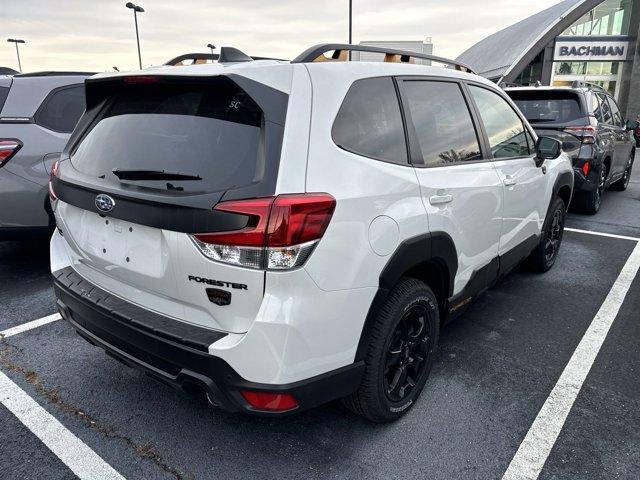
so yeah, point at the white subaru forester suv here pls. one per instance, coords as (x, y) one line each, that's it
(282, 234)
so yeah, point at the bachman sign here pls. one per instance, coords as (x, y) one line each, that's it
(591, 51)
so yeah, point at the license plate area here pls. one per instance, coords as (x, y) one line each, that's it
(117, 245)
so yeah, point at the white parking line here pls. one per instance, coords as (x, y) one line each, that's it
(602, 234)
(73, 452)
(536, 446)
(29, 325)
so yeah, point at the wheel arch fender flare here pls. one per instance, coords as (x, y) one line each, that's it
(563, 181)
(423, 250)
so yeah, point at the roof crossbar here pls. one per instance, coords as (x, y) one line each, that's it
(340, 51)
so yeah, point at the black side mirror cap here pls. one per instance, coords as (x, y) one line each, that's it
(632, 125)
(547, 148)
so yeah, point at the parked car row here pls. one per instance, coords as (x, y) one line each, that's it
(38, 112)
(281, 234)
(589, 123)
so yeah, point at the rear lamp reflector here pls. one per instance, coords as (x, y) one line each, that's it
(280, 233)
(54, 173)
(8, 148)
(586, 167)
(269, 402)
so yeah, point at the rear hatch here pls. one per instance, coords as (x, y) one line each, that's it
(560, 114)
(148, 162)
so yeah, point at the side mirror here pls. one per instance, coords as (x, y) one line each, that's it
(547, 148)
(632, 125)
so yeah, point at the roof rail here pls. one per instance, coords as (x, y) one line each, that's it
(341, 50)
(509, 85)
(194, 58)
(579, 84)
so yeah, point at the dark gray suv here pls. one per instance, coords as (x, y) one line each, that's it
(38, 112)
(589, 123)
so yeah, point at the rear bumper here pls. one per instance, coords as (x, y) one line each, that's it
(176, 353)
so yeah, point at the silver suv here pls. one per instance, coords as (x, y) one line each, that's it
(38, 112)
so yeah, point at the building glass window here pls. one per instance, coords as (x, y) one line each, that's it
(610, 18)
(532, 73)
(586, 68)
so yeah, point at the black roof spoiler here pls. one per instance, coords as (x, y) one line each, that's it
(54, 74)
(341, 51)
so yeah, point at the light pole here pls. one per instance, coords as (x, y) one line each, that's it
(211, 46)
(350, 22)
(17, 41)
(136, 9)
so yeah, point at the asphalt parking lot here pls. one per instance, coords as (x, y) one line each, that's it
(497, 368)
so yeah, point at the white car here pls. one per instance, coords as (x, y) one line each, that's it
(282, 234)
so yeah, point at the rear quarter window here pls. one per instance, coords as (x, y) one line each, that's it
(62, 109)
(4, 93)
(369, 122)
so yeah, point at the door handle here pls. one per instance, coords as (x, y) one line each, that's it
(509, 181)
(440, 199)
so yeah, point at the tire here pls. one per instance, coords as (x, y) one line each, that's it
(545, 254)
(591, 202)
(399, 353)
(622, 184)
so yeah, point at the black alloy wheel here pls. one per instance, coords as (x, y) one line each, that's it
(554, 236)
(600, 190)
(408, 353)
(400, 350)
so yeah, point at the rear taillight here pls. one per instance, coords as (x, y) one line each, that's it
(587, 134)
(269, 402)
(280, 234)
(8, 148)
(586, 167)
(54, 173)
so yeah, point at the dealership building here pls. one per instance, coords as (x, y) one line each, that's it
(594, 41)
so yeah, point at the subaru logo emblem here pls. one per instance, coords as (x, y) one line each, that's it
(105, 203)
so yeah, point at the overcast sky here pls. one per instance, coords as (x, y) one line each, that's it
(95, 35)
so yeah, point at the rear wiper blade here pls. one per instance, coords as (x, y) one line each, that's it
(153, 175)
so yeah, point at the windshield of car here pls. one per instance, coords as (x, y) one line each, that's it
(540, 106)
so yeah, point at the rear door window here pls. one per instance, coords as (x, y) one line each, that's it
(607, 115)
(62, 109)
(369, 122)
(443, 122)
(507, 135)
(212, 130)
(545, 106)
(596, 107)
(615, 112)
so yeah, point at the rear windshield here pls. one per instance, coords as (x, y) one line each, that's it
(209, 130)
(4, 92)
(548, 106)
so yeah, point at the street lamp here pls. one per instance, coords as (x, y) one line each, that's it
(17, 41)
(211, 46)
(136, 9)
(350, 26)
(350, 22)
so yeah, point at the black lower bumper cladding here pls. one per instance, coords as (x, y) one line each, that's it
(176, 353)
